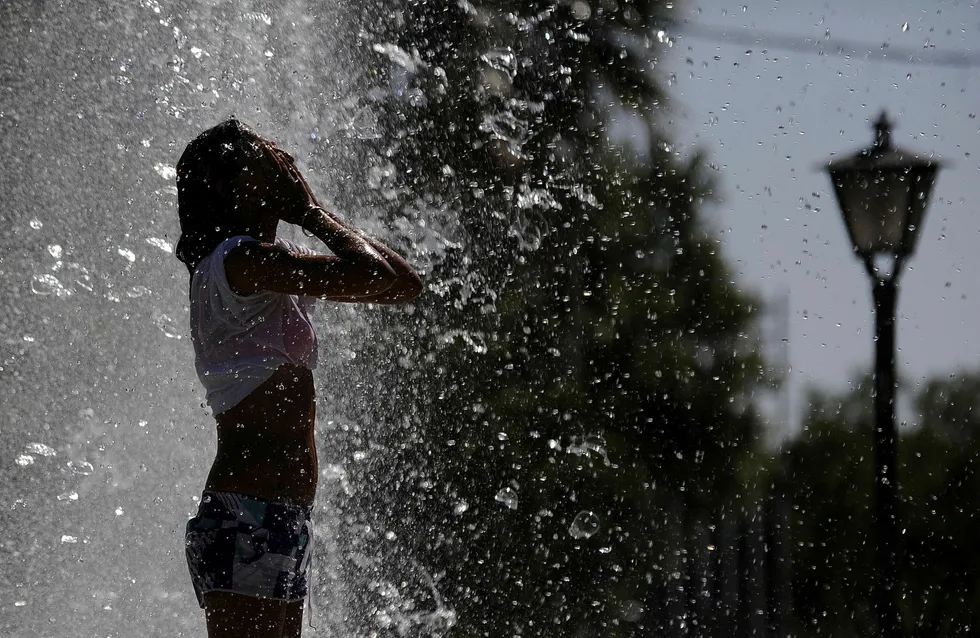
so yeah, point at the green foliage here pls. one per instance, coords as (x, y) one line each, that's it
(832, 489)
(940, 490)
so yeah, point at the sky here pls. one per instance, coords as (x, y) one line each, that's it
(769, 118)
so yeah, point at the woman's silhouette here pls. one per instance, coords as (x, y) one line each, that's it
(251, 296)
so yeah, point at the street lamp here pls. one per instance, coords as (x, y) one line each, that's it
(883, 192)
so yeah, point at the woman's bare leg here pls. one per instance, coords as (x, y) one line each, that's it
(236, 616)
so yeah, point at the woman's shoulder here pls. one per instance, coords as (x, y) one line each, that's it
(251, 269)
(211, 271)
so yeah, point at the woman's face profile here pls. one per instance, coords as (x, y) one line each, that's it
(258, 183)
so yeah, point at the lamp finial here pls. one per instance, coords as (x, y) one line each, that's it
(883, 132)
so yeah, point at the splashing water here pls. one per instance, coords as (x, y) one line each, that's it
(47, 284)
(40, 449)
(585, 525)
(162, 244)
(84, 468)
(587, 446)
(104, 376)
(507, 497)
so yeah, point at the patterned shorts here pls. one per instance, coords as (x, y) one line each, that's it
(249, 546)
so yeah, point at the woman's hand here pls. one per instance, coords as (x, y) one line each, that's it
(364, 268)
(288, 191)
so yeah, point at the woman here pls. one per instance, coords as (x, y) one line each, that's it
(255, 347)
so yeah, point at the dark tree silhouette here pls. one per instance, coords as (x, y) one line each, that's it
(582, 361)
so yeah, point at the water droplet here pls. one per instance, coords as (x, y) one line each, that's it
(586, 446)
(170, 330)
(83, 278)
(49, 285)
(40, 449)
(537, 198)
(162, 244)
(632, 610)
(258, 16)
(165, 171)
(179, 38)
(585, 525)
(399, 56)
(508, 497)
(138, 291)
(83, 468)
(581, 10)
(509, 129)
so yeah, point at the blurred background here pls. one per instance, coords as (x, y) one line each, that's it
(637, 397)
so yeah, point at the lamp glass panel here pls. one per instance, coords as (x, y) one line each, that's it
(876, 208)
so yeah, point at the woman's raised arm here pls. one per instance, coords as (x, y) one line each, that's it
(255, 266)
(406, 286)
(362, 268)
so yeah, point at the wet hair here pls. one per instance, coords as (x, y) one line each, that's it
(208, 213)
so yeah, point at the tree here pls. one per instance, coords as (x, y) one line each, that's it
(832, 480)
(582, 361)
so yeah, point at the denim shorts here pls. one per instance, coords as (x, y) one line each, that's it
(249, 546)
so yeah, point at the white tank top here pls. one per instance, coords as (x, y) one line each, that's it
(240, 340)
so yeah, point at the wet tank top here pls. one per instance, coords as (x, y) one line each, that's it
(240, 340)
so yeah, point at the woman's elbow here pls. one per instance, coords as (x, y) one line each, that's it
(406, 289)
(383, 278)
(412, 286)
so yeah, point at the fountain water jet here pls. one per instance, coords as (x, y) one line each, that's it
(104, 442)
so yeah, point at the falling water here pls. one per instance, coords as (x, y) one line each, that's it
(104, 441)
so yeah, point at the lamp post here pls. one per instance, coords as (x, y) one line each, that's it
(883, 192)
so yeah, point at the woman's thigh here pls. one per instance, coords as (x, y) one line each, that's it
(232, 615)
